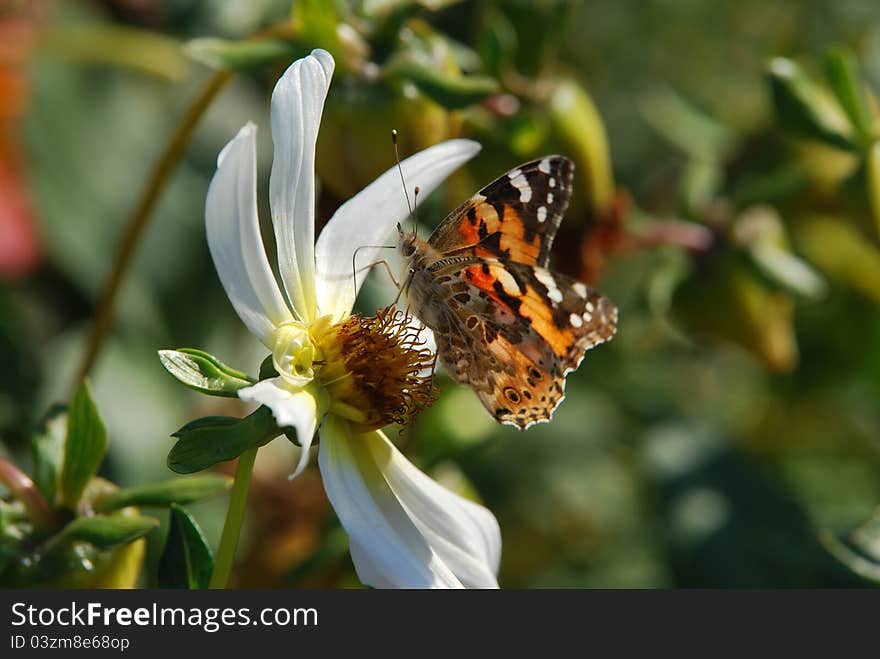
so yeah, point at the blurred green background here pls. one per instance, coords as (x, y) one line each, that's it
(727, 437)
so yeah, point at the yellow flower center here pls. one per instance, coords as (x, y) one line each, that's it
(294, 353)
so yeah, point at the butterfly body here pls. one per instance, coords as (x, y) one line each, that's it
(506, 325)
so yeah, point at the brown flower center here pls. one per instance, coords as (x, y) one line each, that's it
(377, 370)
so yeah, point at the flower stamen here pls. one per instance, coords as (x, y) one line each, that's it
(377, 370)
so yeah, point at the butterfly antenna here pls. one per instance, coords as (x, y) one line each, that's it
(415, 213)
(400, 169)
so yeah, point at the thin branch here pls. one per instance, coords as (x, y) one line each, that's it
(140, 218)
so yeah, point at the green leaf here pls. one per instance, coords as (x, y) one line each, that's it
(805, 108)
(841, 252)
(452, 91)
(47, 446)
(685, 126)
(769, 186)
(207, 441)
(105, 531)
(849, 88)
(375, 9)
(315, 22)
(579, 125)
(465, 57)
(204, 372)
(84, 446)
(14, 529)
(700, 182)
(177, 491)
(11, 513)
(267, 369)
(761, 232)
(226, 55)
(498, 42)
(186, 561)
(788, 270)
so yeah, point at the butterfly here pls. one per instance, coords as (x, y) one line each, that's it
(506, 325)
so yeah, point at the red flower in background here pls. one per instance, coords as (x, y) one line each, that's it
(19, 241)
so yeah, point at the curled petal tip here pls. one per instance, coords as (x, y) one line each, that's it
(325, 59)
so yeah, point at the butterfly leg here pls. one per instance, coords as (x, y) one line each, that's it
(387, 266)
(355, 270)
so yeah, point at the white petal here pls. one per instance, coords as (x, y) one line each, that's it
(405, 530)
(462, 533)
(291, 409)
(370, 217)
(297, 103)
(367, 571)
(233, 230)
(372, 516)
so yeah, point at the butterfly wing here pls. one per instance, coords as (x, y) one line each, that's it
(512, 332)
(513, 218)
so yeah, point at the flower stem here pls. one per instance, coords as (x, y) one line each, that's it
(232, 526)
(140, 218)
(23, 488)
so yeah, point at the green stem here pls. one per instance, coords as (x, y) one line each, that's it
(232, 526)
(872, 179)
(141, 215)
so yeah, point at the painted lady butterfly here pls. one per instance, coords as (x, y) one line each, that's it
(505, 325)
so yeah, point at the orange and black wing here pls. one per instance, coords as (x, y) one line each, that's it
(512, 332)
(514, 218)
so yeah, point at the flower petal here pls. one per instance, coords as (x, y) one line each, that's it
(405, 530)
(370, 217)
(378, 526)
(465, 535)
(367, 571)
(292, 409)
(234, 239)
(297, 103)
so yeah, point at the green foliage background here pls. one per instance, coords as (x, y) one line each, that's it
(728, 437)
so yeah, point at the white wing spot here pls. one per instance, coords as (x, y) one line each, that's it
(544, 166)
(552, 183)
(576, 320)
(542, 214)
(519, 181)
(508, 283)
(580, 289)
(553, 291)
(588, 316)
(549, 197)
(589, 307)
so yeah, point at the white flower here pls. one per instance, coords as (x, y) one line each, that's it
(405, 530)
